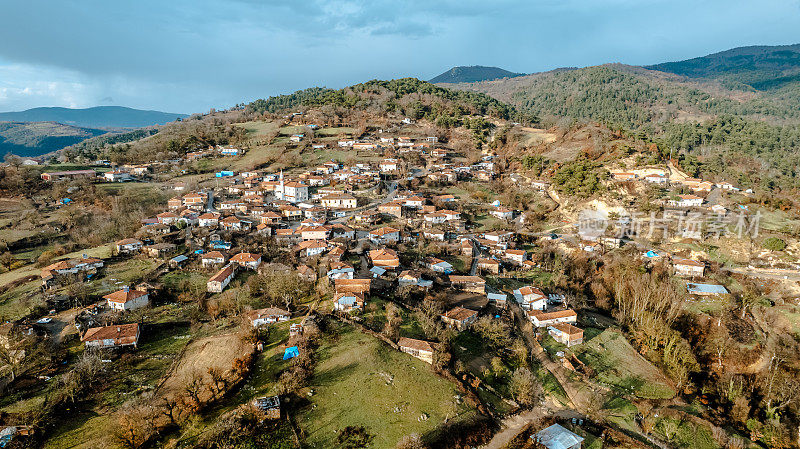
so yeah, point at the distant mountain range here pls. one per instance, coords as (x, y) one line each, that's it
(39, 131)
(99, 117)
(759, 67)
(473, 74)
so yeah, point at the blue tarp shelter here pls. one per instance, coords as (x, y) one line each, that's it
(291, 353)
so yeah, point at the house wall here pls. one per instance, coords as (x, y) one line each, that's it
(139, 302)
(425, 356)
(544, 323)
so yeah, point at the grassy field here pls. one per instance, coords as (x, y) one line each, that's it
(119, 187)
(685, 434)
(712, 305)
(622, 368)
(360, 381)
(173, 279)
(118, 275)
(334, 131)
(776, 220)
(92, 428)
(258, 129)
(621, 413)
(19, 301)
(103, 251)
(537, 277)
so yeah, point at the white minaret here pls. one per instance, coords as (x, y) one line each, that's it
(281, 193)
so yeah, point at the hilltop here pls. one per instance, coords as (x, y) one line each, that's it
(104, 117)
(473, 74)
(406, 97)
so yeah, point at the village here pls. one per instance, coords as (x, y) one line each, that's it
(399, 241)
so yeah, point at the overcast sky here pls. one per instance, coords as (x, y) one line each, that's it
(192, 55)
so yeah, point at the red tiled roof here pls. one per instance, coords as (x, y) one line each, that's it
(460, 314)
(120, 333)
(419, 345)
(122, 296)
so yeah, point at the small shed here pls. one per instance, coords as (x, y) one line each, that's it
(270, 406)
(178, 261)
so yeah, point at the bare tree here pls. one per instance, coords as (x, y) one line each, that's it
(526, 390)
(135, 424)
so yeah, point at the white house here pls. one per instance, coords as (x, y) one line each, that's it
(439, 265)
(212, 258)
(385, 234)
(127, 299)
(117, 176)
(339, 201)
(168, 218)
(435, 218)
(544, 319)
(687, 201)
(389, 165)
(128, 245)
(502, 213)
(208, 220)
(219, 281)
(341, 270)
(435, 234)
(516, 256)
(657, 178)
(247, 260)
(262, 317)
(530, 298)
(688, 267)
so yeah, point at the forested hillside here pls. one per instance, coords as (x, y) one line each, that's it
(759, 67)
(407, 97)
(744, 135)
(34, 139)
(414, 98)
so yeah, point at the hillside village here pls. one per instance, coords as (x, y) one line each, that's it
(387, 280)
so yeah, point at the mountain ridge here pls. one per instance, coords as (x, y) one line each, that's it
(97, 117)
(761, 67)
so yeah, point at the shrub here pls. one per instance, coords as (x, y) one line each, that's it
(774, 244)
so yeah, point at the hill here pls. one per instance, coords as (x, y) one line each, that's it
(99, 117)
(716, 127)
(759, 67)
(30, 139)
(404, 98)
(473, 74)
